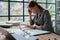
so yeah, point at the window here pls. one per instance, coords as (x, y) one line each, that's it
(3, 19)
(27, 0)
(16, 8)
(3, 8)
(3, 0)
(19, 10)
(16, 0)
(16, 18)
(26, 8)
(3, 11)
(26, 18)
(44, 1)
(51, 8)
(43, 5)
(51, 1)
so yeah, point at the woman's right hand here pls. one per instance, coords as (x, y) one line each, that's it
(30, 26)
(29, 11)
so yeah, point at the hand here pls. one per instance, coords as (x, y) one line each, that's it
(29, 11)
(30, 26)
(38, 27)
(27, 25)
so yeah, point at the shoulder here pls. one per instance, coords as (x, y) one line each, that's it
(46, 11)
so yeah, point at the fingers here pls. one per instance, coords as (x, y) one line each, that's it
(29, 11)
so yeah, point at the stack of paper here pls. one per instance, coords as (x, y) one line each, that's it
(13, 22)
(6, 25)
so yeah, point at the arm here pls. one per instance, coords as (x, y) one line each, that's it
(31, 20)
(47, 22)
(30, 14)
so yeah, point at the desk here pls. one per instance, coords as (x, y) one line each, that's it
(43, 37)
(51, 36)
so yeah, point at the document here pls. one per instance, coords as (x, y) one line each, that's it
(20, 37)
(15, 31)
(36, 32)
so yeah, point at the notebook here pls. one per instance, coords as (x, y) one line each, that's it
(20, 37)
(37, 32)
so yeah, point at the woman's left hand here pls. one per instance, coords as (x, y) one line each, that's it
(38, 27)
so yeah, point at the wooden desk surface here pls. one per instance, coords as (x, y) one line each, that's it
(51, 36)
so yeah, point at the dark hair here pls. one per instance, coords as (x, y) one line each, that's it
(34, 3)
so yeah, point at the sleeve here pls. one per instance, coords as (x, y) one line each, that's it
(32, 22)
(47, 21)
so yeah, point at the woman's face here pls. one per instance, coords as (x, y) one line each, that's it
(34, 9)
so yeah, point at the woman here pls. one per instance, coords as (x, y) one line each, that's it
(42, 18)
